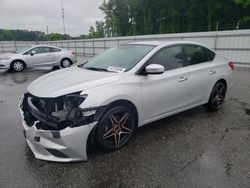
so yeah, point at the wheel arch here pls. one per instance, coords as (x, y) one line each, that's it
(25, 65)
(219, 80)
(120, 102)
(223, 81)
(127, 103)
(71, 62)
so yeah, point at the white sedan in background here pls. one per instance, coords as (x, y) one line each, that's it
(37, 56)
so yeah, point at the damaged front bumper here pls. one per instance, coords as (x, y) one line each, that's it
(52, 143)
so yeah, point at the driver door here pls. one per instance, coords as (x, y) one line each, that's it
(166, 93)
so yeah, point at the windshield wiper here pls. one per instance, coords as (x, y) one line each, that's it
(82, 64)
(96, 69)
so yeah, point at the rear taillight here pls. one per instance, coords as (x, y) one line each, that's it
(231, 65)
(73, 53)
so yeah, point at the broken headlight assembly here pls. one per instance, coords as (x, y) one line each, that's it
(57, 113)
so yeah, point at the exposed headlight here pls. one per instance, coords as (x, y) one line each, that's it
(63, 111)
(74, 100)
(67, 107)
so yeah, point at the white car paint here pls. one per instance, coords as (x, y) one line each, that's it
(48, 59)
(155, 96)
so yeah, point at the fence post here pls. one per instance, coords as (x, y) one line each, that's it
(2, 47)
(93, 47)
(15, 46)
(215, 41)
(75, 48)
(83, 48)
(104, 44)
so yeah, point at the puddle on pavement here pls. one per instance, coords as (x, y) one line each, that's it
(209, 168)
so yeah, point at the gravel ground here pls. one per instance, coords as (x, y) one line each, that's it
(195, 148)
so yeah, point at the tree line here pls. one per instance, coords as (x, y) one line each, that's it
(140, 17)
(25, 35)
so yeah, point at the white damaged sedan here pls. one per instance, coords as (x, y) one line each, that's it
(111, 95)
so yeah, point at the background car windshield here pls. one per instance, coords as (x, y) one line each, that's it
(121, 58)
(22, 49)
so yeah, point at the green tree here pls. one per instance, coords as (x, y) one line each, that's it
(245, 3)
(98, 31)
(244, 21)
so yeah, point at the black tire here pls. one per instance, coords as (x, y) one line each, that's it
(217, 97)
(17, 66)
(66, 62)
(115, 128)
(55, 68)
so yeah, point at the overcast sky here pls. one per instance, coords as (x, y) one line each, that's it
(36, 14)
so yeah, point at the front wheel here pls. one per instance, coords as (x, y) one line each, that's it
(17, 66)
(115, 128)
(217, 97)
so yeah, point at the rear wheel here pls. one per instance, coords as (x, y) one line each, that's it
(115, 128)
(217, 97)
(65, 63)
(17, 66)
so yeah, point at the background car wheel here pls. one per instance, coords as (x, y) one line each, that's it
(17, 66)
(55, 68)
(217, 97)
(65, 63)
(115, 128)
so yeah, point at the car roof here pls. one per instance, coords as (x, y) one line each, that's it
(164, 43)
(44, 45)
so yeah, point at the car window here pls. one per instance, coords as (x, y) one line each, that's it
(39, 50)
(44, 49)
(170, 58)
(196, 54)
(54, 50)
(209, 53)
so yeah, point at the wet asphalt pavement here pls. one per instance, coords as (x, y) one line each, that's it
(195, 148)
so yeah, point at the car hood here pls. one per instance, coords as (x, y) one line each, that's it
(5, 55)
(70, 80)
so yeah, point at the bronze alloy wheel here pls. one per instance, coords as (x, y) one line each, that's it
(217, 97)
(115, 128)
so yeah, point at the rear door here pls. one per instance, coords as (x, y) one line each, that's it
(201, 73)
(55, 55)
(165, 93)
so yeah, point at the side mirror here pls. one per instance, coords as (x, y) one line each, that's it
(154, 69)
(33, 52)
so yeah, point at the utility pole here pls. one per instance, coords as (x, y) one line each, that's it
(238, 24)
(217, 26)
(63, 18)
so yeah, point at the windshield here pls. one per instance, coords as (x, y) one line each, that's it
(22, 49)
(119, 59)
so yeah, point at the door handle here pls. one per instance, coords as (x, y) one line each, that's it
(212, 72)
(182, 79)
(48, 55)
